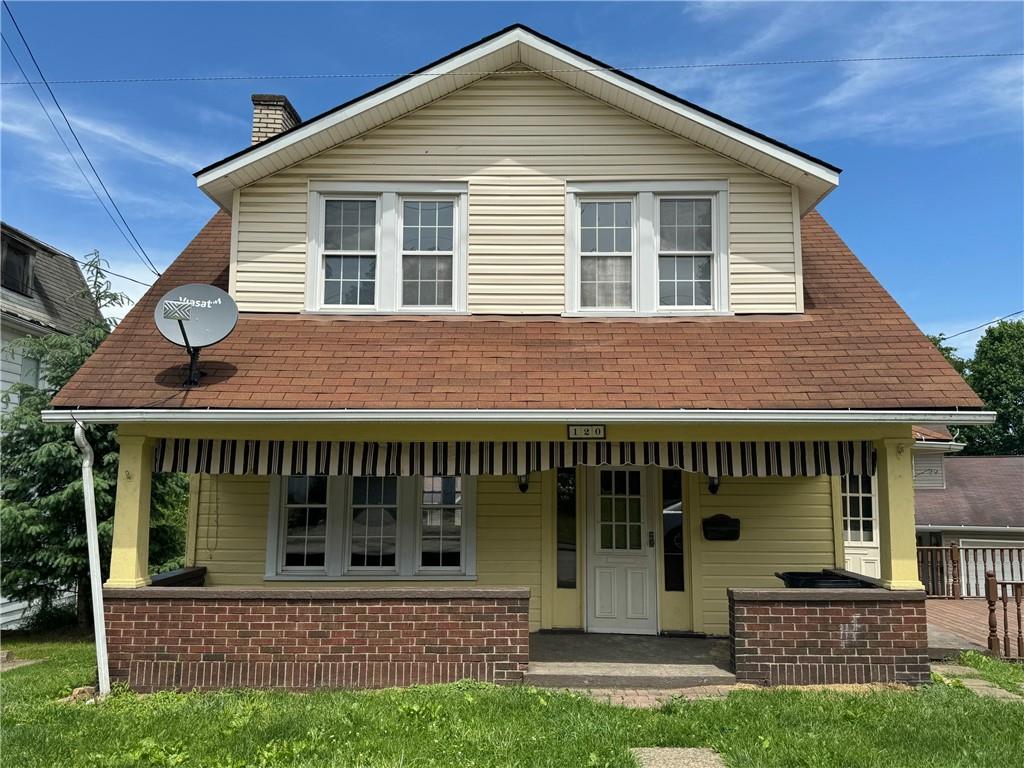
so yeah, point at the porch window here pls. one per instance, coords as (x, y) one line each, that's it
(350, 253)
(672, 529)
(428, 252)
(305, 540)
(685, 251)
(441, 523)
(606, 254)
(858, 498)
(371, 528)
(373, 535)
(566, 528)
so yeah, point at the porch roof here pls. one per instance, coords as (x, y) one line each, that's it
(853, 349)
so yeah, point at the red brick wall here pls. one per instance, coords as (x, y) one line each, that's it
(199, 638)
(808, 636)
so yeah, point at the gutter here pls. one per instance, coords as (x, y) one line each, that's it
(966, 528)
(521, 415)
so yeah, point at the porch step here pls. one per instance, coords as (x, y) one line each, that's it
(571, 674)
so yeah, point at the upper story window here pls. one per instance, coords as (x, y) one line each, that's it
(378, 247)
(647, 248)
(17, 268)
(606, 254)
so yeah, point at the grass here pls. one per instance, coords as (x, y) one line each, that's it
(1007, 675)
(471, 724)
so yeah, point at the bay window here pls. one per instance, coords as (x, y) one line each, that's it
(371, 528)
(647, 248)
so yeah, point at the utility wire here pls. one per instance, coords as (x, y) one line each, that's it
(110, 271)
(144, 256)
(983, 325)
(73, 156)
(638, 68)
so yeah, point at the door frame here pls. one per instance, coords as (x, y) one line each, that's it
(590, 477)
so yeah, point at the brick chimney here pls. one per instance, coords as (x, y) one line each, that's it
(271, 115)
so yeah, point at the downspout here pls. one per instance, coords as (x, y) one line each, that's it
(95, 575)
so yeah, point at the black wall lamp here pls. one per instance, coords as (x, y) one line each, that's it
(524, 483)
(713, 483)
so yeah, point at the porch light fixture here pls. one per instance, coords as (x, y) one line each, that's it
(524, 483)
(713, 482)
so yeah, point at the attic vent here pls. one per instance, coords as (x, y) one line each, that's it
(271, 114)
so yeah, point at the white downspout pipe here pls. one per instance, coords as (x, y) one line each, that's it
(95, 574)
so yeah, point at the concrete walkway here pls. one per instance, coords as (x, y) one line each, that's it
(973, 682)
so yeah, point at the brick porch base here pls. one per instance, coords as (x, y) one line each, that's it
(812, 636)
(202, 638)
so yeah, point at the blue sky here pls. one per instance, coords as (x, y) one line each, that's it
(931, 197)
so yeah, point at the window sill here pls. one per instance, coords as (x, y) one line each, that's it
(369, 312)
(663, 313)
(370, 577)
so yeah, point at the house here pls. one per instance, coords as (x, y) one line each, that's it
(524, 344)
(42, 291)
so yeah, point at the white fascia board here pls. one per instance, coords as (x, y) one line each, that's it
(560, 416)
(967, 528)
(329, 121)
(520, 36)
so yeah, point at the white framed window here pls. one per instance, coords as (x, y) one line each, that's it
(386, 528)
(676, 248)
(859, 509)
(412, 260)
(620, 525)
(606, 228)
(441, 540)
(685, 236)
(428, 252)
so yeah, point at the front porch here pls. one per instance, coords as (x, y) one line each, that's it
(361, 564)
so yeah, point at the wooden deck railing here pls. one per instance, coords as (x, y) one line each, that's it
(955, 572)
(1007, 595)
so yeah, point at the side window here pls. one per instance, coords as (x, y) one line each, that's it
(685, 251)
(673, 529)
(305, 524)
(565, 513)
(441, 523)
(428, 252)
(858, 509)
(350, 253)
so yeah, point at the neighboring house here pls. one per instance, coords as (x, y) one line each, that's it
(42, 291)
(524, 344)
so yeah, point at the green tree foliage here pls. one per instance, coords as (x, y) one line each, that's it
(996, 373)
(42, 518)
(949, 352)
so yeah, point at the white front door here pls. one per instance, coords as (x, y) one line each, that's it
(860, 525)
(622, 592)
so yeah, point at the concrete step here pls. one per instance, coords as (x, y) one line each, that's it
(572, 674)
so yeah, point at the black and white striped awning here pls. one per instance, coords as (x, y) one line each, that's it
(716, 459)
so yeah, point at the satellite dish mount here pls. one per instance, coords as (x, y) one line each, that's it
(195, 316)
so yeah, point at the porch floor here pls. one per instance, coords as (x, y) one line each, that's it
(627, 661)
(962, 625)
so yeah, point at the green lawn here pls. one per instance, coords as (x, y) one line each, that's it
(468, 724)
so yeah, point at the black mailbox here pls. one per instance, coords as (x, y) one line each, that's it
(721, 528)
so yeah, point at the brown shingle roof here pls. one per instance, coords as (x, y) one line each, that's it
(853, 348)
(980, 490)
(932, 434)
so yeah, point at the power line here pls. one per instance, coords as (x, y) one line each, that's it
(145, 256)
(110, 271)
(637, 68)
(74, 157)
(983, 325)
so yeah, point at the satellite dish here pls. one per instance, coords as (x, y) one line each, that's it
(195, 316)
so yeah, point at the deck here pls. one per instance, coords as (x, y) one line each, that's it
(962, 624)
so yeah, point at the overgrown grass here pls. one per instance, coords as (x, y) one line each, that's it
(1006, 674)
(470, 724)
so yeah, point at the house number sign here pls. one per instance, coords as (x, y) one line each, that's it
(586, 432)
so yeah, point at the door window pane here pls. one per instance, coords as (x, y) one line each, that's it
(621, 520)
(441, 522)
(374, 531)
(858, 503)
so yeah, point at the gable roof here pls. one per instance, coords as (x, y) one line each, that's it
(853, 348)
(60, 299)
(986, 491)
(520, 45)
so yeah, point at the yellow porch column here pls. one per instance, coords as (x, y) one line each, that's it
(129, 559)
(897, 544)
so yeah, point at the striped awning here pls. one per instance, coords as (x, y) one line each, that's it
(323, 457)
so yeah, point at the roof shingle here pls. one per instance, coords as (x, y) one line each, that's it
(980, 491)
(853, 348)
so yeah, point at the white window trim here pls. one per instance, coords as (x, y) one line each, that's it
(634, 257)
(388, 290)
(339, 515)
(456, 248)
(377, 232)
(645, 195)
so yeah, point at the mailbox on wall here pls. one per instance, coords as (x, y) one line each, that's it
(721, 528)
